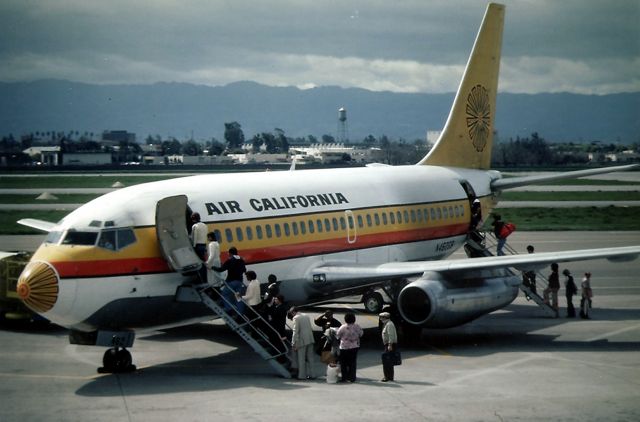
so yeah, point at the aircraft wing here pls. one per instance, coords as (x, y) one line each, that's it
(4, 255)
(524, 262)
(45, 226)
(514, 182)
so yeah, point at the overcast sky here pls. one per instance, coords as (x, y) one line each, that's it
(579, 46)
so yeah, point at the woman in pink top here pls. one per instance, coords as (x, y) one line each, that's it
(349, 334)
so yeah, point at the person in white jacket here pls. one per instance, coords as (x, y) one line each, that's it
(252, 295)
(213, 260)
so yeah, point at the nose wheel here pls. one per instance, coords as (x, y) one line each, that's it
(116, 360)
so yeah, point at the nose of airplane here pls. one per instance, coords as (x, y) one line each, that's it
(38, 286)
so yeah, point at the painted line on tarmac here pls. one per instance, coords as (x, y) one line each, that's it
(484, 372)
(614, 333)
(45, 376)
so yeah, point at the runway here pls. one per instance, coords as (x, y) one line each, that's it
(514, 364)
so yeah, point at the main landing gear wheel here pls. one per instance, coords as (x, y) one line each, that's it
(373, 302)
(116, 360)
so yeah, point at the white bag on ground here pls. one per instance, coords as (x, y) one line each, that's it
(333, 370)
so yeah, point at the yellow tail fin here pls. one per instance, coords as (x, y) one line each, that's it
(467, 137)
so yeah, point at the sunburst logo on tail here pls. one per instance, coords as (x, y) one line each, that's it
(479, 116)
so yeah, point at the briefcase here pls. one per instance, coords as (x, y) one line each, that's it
(394, 357)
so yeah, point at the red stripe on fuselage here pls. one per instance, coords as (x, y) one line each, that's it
(119, 267)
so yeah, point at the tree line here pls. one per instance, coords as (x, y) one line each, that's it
(525, 152)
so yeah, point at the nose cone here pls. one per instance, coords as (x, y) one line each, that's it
(38, 286)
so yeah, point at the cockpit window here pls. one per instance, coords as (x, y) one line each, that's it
(80, 238)
(125, 237)
(108, 240)
(116, 239)
(53, 237)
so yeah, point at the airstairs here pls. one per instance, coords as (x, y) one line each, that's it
(480, 244)
(249, 325)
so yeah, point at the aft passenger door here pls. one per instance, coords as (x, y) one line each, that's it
(173, 238)
(351, 227)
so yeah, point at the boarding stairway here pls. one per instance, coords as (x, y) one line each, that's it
(480, 243)
(250, 325)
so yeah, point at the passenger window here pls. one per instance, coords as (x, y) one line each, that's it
(294, 226)
(343, 224)
(80, 238)
(278, 230)
(451, 212)
(461, 211)
(319, 224)
(376, 218)
(249, 233)
(439, 212)
(360, 222)
(413, 216)
(259, 232)
(369, 220)
(268, 231)
(406, 216)
(335, 224)
(392, 217)
(327, 225)
(303, 228)
(433, 214)
(287, 230)
(384, 218)
(239, 235)
(228, 235)
(311, 229)
(108, 240)
(445, 213)
(426, 214)
(399, 217)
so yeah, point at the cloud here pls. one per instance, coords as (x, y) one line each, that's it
(586, 46)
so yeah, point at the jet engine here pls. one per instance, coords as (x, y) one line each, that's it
(437, 300)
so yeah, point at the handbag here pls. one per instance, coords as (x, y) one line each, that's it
(393, 357)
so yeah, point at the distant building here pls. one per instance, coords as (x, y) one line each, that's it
(114, 137)
(86, 158)
(46, 155)
(432, 136)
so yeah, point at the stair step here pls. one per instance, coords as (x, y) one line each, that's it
(246, 328)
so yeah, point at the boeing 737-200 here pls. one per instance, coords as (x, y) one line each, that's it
(114, 265)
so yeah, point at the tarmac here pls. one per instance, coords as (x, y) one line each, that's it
(511, 365)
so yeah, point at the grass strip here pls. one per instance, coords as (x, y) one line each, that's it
(57, 181)
(571, 196)
(8, 220)
(63, 198)
(571, 218)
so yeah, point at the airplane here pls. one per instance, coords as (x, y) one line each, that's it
(112, 267)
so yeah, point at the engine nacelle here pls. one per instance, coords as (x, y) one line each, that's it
(437, 302)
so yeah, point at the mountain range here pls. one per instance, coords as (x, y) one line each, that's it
(185, 110)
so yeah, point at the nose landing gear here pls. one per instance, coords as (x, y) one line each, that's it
(116, 360)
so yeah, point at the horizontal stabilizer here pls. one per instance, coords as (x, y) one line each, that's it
(4, 255)
(45, 226)
(514, 182)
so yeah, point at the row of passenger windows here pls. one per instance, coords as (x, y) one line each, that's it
(334, 224)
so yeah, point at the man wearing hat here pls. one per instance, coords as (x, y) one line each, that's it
(390, 341)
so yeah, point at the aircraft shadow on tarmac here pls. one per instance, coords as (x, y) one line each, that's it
(510, 331)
